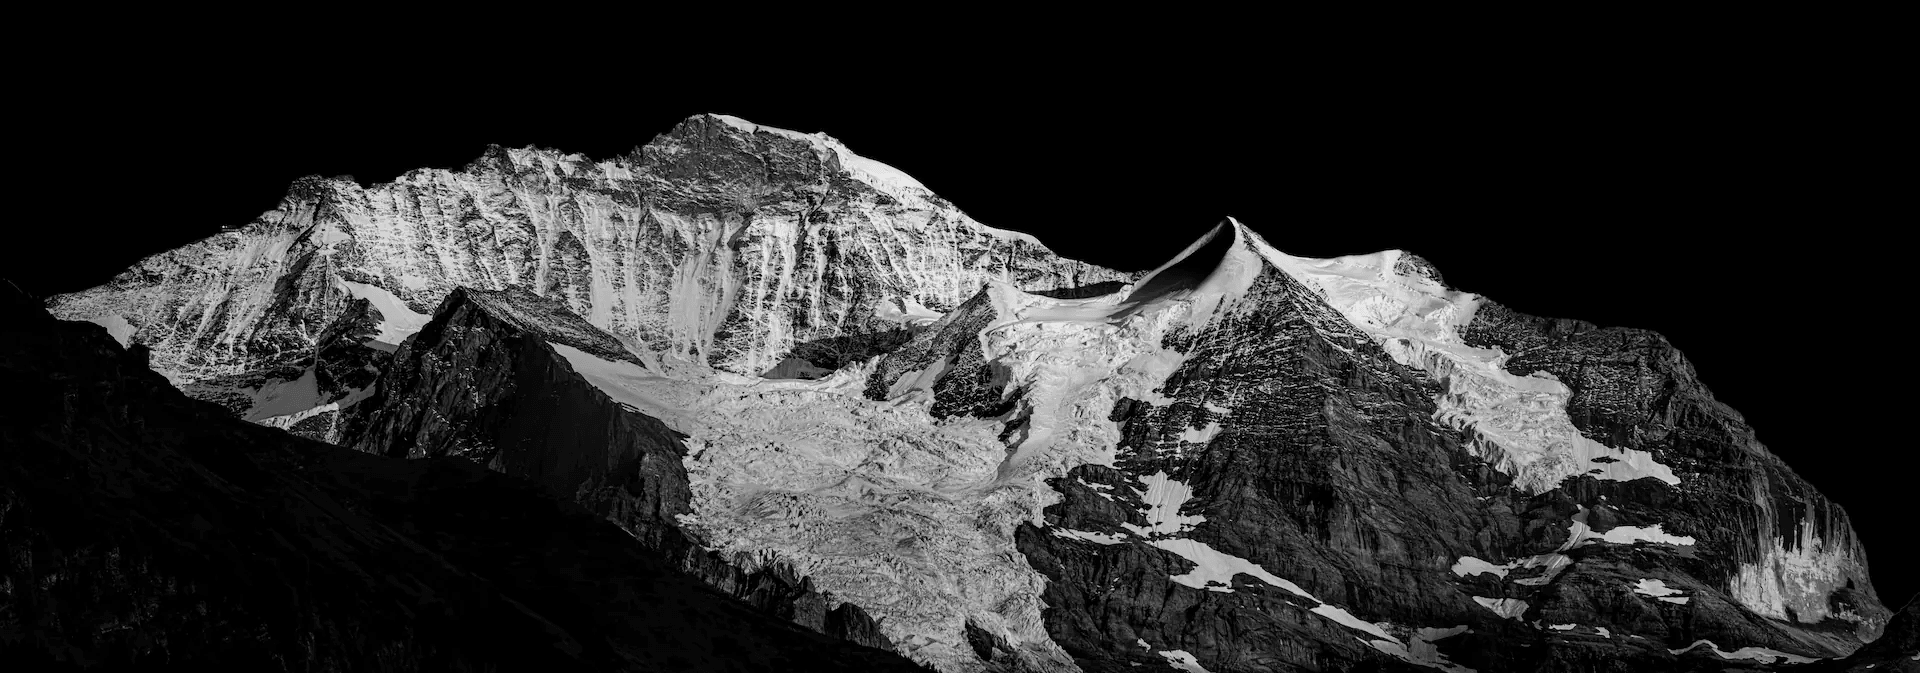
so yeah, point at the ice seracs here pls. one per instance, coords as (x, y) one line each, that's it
(871, 501)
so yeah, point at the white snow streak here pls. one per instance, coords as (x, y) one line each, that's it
(1468, 565)
(1214, 570)
(624, 382)
(1183, 661)
(1096, 538)
(1759, 654)
(1659, 590)
(397, 322)
(117, 327)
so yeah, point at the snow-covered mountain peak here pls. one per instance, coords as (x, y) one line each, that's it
(881, 177)
(722, 243)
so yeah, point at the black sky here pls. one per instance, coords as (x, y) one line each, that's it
(1737, 195)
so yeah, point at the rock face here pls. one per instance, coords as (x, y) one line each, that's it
(817, 387)
(722, 242)
(484, 382)
(144, 530)
(1786, 552)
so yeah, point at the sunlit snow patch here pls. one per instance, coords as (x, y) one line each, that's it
(1632, 534)
(1181, 660)
(1096, 538)
(397, 322)
(117, 327)
(1759, 654)
(1659, 589)
(1579, 534)
(1214, 570)
(1344, 618)
(623, 382)
(1468, 565)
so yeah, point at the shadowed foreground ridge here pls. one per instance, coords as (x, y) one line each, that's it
(144, 530)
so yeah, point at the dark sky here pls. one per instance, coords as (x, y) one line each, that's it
(1736, 197)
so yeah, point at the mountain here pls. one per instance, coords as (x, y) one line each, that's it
(805, 381)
